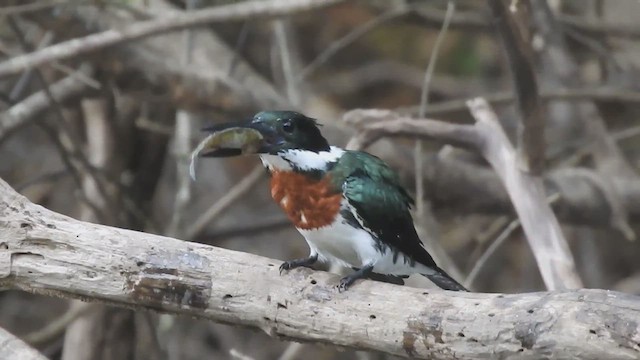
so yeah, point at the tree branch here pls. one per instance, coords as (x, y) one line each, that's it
(48, 253)
(470, 188)
(21, 113)
(486, 137)
(562, 71)
(94, 42)
(544, 235)
(476, 21)
(531, 143)
(375, 123)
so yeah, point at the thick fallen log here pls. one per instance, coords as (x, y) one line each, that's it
(48, 253)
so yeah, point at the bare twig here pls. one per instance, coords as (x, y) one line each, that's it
(424, 100)
(562, 71)
(292, 351)
(182, 148)
(28, 109)
(497, 243)
(58, 326)
(375, 124)
(475, 21)
(25, 78)
(487, 137)
(293, 94)
(68, 146)
(67, 70)
(531, 143)
(292, 87)
(48, 253)
(471, 188)
(229, 198)
(100, 150)
(94, 42)
(235, 354)
(543, 231)
(347, 40)
(603, 93)
(37, 5)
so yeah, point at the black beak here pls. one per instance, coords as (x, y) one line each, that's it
(233, 139)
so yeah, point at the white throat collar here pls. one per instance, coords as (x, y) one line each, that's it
(301, 159)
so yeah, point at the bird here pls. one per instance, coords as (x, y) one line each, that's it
(348, 205)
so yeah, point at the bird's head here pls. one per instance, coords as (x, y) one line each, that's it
(268, 132)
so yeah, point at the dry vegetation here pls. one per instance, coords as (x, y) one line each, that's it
(101, 102)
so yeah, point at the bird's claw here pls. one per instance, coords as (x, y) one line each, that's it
(285, 266)
(292, 264)
(345, 283)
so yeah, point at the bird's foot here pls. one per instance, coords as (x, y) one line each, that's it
(292, 264)
(348, 280)
(345, 282)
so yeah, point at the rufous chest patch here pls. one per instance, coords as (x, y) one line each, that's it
(309, 203)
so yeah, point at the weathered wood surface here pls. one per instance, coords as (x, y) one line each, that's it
(13, 348)
(48, 253)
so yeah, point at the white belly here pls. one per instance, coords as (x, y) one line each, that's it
(353, 247)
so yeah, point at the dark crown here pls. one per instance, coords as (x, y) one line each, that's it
(296, 130)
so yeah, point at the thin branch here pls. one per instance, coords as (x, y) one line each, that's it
(232, 12)
(495, 245)
(374, 124)
(531, 143)
(67, 70)
(347, 40)
(424, 100)
(25, 77)
(487, 137)
(469, 188)
(601, 28)
(292, 351)
(486, 255)
(292, 87)
(562, 71)
(38, 5)
(235, 354)
(229, 198)
(67, 145)
(544, 235)
(51, 254)
(57, 327)
(182, 147)
(603, 93)
(28, 109)
(476, 21)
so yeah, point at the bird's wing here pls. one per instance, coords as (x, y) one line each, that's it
(381, 204)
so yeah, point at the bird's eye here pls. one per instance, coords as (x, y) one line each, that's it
(288, 127)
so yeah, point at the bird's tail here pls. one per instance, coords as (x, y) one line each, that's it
(444, 281)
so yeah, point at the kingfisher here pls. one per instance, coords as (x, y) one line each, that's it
(348, 205)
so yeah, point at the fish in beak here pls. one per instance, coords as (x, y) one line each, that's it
(230, 139)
